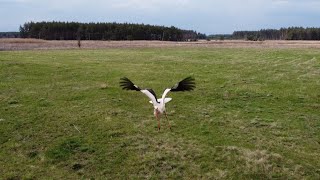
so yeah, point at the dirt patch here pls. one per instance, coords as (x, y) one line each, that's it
(35, 44)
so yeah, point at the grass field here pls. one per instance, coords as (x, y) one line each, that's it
(255, 114)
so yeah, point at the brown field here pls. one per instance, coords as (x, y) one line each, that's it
(36, 44)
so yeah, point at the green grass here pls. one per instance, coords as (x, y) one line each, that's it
(255, 114)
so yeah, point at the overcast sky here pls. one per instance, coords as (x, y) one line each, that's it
(206, 16)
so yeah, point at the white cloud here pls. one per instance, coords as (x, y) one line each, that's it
(150, 4)
(280, 2)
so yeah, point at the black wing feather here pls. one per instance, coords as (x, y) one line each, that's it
(186, 84)
(126, 84)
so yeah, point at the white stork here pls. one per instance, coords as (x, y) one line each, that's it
(186, 84)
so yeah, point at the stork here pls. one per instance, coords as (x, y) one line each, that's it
(186, 84)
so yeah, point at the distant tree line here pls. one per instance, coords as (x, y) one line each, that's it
(292, 33)
(219, 37)
(9, 34)
(104, 31)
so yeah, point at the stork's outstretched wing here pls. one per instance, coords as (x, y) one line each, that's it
(126, 84)
(187, 84)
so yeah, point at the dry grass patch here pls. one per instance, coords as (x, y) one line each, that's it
(258, 163)
(21, 40)
(26, 44)
(166, 157)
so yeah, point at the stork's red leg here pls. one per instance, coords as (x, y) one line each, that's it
(165, 113)
(158, 119)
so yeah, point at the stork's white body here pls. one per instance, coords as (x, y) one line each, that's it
(160, 107)
(158, 104)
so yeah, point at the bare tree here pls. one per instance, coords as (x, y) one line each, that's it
(79, 33)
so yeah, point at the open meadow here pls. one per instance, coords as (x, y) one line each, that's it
(255, 114)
